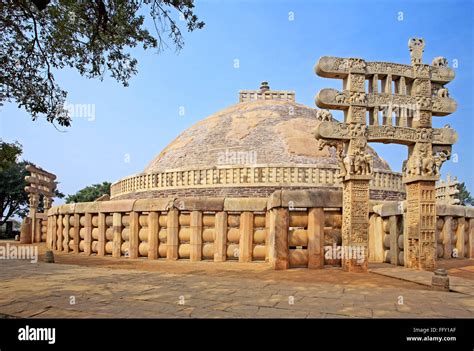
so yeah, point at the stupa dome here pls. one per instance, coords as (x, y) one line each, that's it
(262, 144)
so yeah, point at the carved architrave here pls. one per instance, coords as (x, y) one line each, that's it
(341, 100)
(393, 134)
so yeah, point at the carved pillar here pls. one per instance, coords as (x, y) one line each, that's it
(355, 212)
(420, 177)
(355, 224)
(420, 242)
(34, 200)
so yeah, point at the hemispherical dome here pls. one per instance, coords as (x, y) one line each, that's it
(261, 132)
(249, 149)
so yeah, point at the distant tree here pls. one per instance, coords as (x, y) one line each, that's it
(93, 37)
(464, 195)
(13, 198)
(9, 152)
(89, 193)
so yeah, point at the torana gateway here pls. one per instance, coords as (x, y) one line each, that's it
(275, 181)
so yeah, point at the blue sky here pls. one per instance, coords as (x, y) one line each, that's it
(133, 124)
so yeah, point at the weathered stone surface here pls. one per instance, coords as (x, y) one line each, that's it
(66, 208)
(245, 204)
(311, 198)
(199, 203)
(116, 206)
(90, 207)
(274, 200)
(450, 210)
(145, 205)
(469, 212)
(53, 211)
(390, 208)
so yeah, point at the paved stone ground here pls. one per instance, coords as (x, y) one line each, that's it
(102, 287)
(456, 284)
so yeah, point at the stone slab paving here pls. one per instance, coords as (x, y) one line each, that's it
(44, 290)
(456, 284)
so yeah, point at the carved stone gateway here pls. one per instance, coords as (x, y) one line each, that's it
(396, 107)
(40, 183)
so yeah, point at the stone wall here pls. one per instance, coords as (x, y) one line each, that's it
(454, 232)
(290, 228)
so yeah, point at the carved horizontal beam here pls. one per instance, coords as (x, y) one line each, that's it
(40, 171)
(49, 183)
(341, 100)
(386, 134)
(38, 191)
(340, 67)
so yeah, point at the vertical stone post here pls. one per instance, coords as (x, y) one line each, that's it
(420, 241)
(54, 231)
(59, 242)
(196, 236)
(34, 200)
(447, 235)
(153, 238)
(102, 229)
(134, 231)
(76, 236)
(278, 238)
(267, 234)
(221, 237)
(471, 238)
(117, 234)
(49, 233)
(372, 233)
(461, 237)
(355, 224)
(315, 238)
(394, 249)
(379, 234)
(246, 237)
(88, 233)
(355, 212)
(37, 231)
(172, 228)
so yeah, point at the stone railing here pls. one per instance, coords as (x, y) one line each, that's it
(287, 230)
(291, 228)
(258, 176)
(454, 232)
